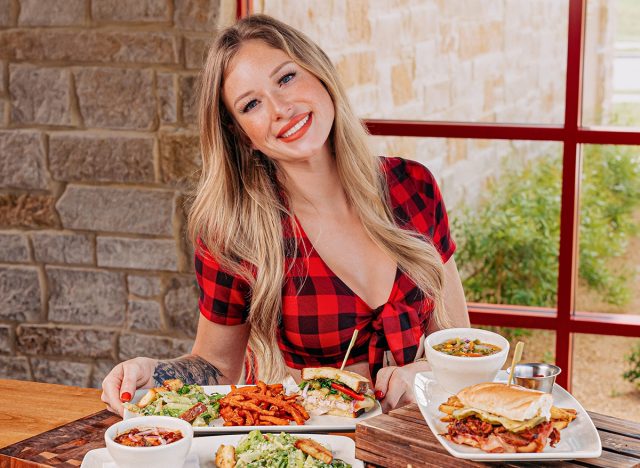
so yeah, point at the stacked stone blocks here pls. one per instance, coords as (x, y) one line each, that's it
(98, 154)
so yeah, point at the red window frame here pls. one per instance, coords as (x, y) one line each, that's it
(572, 134)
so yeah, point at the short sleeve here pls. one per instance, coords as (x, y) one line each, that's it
(439, 221)
(418, 201)
(223, 296)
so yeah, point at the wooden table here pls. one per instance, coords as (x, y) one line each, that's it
(45, 425)
(29, 408)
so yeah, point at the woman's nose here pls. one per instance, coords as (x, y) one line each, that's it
(282, 107)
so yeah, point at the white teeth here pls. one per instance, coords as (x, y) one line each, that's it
(296, 127)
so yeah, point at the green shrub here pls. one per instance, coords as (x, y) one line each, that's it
(508, 245)
(610, 195)
(633, 362)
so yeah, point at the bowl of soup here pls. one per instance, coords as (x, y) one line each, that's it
(461, 357)
(154, 441)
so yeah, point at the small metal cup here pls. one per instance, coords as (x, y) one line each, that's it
(536, 376)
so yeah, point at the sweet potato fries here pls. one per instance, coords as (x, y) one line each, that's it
(261, 405)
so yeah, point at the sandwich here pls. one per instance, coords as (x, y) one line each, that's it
(326, 390)
(498, 418)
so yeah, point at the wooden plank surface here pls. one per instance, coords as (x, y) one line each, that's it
(12, 462)
(388, 441)
(403, 438)
(620, 444)
(616, 425)
(29, 408)
(610, 460)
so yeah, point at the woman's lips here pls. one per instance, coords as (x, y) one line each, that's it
(299, 133)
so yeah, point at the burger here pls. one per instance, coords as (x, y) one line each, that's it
(498, 418)
(326, 390)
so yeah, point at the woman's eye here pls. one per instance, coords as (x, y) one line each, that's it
(250, 105)
(286, 78)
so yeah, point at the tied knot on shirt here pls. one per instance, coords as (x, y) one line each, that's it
(398, 328)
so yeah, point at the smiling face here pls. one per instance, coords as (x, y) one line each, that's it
(285, 111)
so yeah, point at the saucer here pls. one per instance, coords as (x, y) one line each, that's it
(101, 458)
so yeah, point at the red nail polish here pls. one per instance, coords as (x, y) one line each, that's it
(126, 396)
(379, 394)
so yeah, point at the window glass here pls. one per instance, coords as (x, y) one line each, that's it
(602, 369)
(611, 89)
(453, 60)
(609, 231)
(539, 345)
(503, 200)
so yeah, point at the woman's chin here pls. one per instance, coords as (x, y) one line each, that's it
(300, 155)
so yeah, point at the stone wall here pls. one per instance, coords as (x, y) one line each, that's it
(98, 147)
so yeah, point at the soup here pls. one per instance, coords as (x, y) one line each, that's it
(467, 348)
(148, 437)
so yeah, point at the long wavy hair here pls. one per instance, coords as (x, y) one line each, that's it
(239, 212)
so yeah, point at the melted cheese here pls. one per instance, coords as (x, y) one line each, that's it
(509, 424)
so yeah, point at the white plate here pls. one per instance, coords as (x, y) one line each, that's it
(203, 451)
(314, 423)
(579, 440)
(100, 458)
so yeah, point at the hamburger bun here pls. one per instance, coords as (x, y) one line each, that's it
(513, 402)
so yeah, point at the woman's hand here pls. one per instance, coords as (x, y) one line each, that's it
(395, 384)
(121, 383)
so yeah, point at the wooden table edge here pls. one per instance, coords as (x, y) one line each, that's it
(7, 461)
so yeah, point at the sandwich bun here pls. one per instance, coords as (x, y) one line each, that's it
(356, 382)
(513, 402)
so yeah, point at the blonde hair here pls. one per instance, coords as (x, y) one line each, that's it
(238, 211)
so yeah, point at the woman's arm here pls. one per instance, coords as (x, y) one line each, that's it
(216, 358)
(223, 346)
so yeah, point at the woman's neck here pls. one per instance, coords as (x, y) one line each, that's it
(314, 186)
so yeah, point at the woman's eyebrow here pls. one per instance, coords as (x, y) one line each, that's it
(242, 96)
(275, 70)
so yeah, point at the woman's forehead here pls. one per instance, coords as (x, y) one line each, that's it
(253, 56)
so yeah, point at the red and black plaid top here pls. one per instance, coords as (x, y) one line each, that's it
(319, 311)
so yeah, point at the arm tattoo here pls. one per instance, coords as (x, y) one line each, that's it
(190, 369)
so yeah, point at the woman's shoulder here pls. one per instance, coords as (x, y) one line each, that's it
(405, 171)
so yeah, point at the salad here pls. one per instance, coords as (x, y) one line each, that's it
(174, 398)
(277, 450)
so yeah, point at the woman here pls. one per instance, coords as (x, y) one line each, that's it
(302, 235)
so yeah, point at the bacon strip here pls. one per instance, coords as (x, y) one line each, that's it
(193, 412)
(496, 439)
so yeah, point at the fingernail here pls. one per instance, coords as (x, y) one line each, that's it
(126, 396)
(379, 394)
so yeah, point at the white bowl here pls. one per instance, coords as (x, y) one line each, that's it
(454, 373)
(172, 455)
